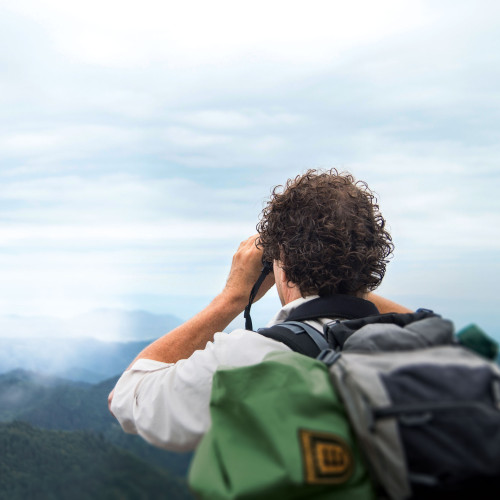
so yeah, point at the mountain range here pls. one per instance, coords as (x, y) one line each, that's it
(64, 430)
(78, 359)
(91, 347)
(58, 404)
(57, 465)
(57, 437)
(102, 324)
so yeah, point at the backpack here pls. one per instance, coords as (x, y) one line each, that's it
(279, 431)
(394, 408)
(427, 416)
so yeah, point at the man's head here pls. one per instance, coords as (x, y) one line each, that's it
(326, 230)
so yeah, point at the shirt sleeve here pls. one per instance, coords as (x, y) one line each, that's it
(168, 404)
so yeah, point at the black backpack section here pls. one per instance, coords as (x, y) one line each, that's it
(303, 338)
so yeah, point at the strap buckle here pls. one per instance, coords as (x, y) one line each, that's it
(328, 356)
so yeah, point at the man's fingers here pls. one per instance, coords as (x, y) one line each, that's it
(250, 242)
(245, 268)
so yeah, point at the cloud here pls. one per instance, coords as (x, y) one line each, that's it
(236, 120)
(139, 141)
(118, 201)
(195, 32)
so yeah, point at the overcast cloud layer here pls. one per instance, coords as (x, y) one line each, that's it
(139, 140)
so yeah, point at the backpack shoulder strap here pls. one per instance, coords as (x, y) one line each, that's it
(313, 333)
(299, 337)
(305, 339)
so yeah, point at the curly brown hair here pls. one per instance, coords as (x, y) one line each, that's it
(328, 233)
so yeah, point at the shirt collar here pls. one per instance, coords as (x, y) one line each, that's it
(287, 309)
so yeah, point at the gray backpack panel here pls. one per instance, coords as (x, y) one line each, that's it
(428, 418)
(427, 332)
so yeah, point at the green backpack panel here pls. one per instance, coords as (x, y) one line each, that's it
(295, 445)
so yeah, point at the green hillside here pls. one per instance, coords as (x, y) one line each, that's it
(56, 404)
(57, 465)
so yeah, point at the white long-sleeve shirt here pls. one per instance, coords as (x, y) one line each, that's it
(168, 403)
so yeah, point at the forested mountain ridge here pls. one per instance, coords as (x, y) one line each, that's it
(57, 404)
(46, 465)
(21, 390)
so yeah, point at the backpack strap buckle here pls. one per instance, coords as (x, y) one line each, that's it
(328, 356)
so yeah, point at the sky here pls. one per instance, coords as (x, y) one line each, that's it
(139, 142)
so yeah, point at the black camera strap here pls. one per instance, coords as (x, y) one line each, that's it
(266, 269)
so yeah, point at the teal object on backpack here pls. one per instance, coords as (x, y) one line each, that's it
(278, 431)
(478, 341)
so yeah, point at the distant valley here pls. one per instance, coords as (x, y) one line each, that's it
(90, 348)
(86, 360)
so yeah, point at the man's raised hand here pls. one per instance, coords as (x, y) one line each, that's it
(245, 270)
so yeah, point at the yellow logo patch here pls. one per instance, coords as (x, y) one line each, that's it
(327, 458)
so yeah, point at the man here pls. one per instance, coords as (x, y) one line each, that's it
(328, 244)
